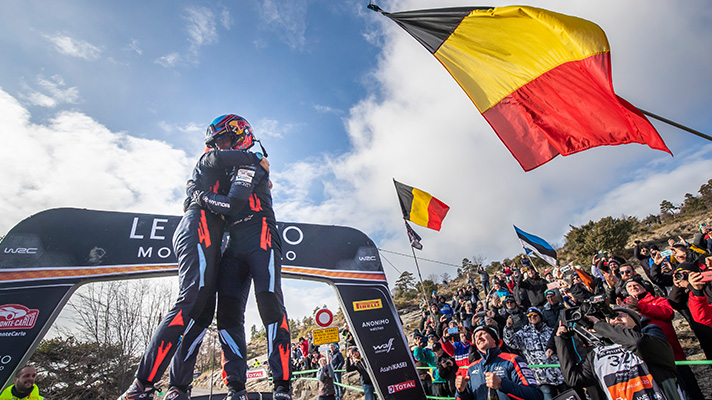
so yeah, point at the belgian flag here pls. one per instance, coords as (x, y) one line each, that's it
(541, 79)
(420, 207)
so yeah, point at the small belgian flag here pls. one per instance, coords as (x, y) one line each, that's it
(420, 207)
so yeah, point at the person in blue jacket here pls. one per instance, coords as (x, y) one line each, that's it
(505, 374)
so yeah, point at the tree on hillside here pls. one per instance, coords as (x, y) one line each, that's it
(706, 193)
(667, 208)
(405, 284)
(606, 234)
(692, 204)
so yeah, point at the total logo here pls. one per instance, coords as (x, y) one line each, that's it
(377, 325)
(394, 367)
(384, 348)
(401, 386)
(17, 316)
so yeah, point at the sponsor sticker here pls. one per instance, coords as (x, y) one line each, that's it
(384, 348)
(377, 325)
(244, 175)
(367, 305)
(17, 316)
(256, 374)
(394, 367)
(401, 386)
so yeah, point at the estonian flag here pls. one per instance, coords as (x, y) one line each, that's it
(420, 207)
(537, 245)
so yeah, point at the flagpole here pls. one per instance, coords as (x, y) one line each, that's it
(675, 124)
(422, 285)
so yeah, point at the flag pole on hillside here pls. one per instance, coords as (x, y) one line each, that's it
(423, 209)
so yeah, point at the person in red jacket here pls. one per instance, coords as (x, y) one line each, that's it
(661, 313)
(657, 309)
(700, 309)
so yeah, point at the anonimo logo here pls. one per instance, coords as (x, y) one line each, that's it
(401, 386)
(377, 325)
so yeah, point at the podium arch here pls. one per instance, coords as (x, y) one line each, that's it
(47, 256)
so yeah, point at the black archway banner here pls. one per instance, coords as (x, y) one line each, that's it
(48, 255)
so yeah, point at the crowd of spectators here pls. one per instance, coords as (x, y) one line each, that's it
(525, 310)
(480, 340)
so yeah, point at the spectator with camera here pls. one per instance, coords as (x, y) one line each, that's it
(633, 361)
(456, 344)
(532, 341)
(661, 313)
(354, 362)
(424, 357)
(447, 370)
(512, 311)
(692, 293)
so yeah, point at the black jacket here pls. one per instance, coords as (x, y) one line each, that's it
(650, 345)
(534, 289)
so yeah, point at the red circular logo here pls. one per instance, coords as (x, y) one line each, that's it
(324, 317)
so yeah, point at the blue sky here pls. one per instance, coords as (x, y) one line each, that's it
(103, 105)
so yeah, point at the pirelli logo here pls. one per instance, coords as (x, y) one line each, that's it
(367, 305)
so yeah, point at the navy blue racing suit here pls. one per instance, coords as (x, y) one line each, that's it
(253, 253)
(196, 243)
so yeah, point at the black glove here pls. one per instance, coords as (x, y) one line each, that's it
(198, 197)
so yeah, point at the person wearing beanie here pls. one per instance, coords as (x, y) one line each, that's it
(532, 342)
(424, 357)
(504, 374)
(512, 310)
(645, 349)
(534, 287)
(337, 363)
(552, 308)
(661, 313)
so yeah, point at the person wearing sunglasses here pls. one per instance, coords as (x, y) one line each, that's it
(532, 342)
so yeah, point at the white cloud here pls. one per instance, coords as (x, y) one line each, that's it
(169, 60)
(420, 128)
(135, 46)
(52, 92)
(287, 19)
(201, 27)
(74, 161)
(328, 110)
(226, 19)
(74, 47)
(272, 128)
(190, 127)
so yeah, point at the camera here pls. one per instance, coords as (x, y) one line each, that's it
(681, 274)
(595, 306)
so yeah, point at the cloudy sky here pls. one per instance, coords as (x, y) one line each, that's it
(103, 105)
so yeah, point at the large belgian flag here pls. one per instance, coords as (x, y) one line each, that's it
(420, 207)
(541, 79)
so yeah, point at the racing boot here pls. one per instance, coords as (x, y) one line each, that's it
(138, 391)
(282, 391)
(174, 393)
(236, 395)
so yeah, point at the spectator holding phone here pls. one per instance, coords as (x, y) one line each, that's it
(456, 344)
(355, 363)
